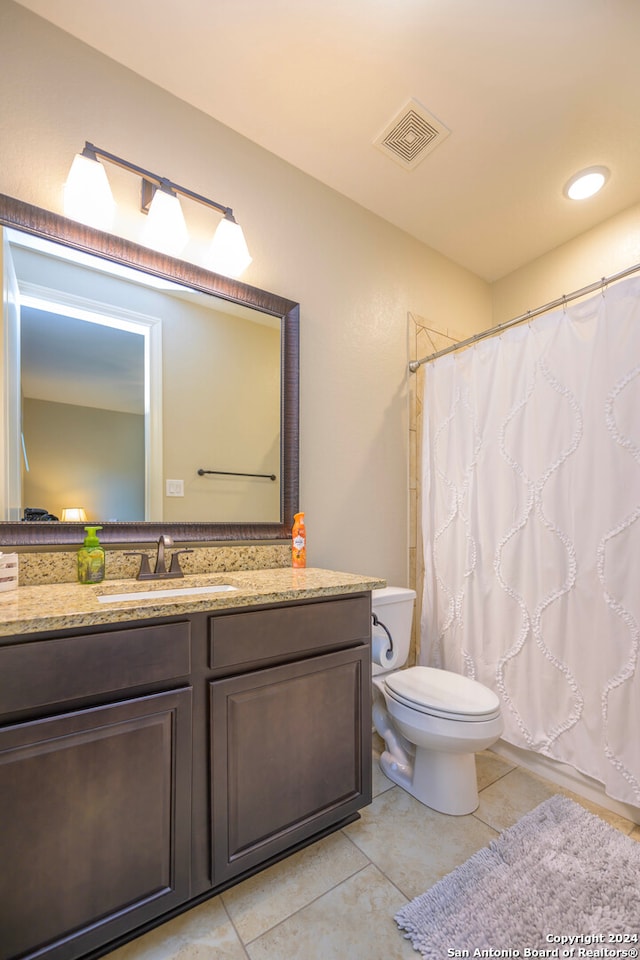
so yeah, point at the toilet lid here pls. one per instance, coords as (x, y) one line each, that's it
(443, 693)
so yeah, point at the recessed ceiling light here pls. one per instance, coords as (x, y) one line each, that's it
(586, 183)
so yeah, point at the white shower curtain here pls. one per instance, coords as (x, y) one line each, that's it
(531, 530)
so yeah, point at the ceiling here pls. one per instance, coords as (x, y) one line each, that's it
(530, 90)
(67, 360)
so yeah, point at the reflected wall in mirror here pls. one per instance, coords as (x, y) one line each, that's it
(128, 384)
(125, 373)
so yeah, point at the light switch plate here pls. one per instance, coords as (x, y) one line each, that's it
(175, 488)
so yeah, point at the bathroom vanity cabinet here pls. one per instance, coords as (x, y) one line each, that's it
(290, 734)
(144, 766)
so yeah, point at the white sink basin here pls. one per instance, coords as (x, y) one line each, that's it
(161, 592)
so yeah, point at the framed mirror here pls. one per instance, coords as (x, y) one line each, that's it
(163, 396)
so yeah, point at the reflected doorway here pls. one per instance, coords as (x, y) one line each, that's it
(83, 414)
(81, 402)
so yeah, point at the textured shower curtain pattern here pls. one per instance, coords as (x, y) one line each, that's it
(531, 526)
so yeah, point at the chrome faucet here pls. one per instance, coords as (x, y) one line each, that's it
(160, 572)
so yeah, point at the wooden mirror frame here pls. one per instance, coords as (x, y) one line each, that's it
(42, 223)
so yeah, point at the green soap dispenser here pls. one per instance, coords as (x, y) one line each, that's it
(91, 558)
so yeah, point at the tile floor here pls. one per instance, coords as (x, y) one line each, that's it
(336, 899)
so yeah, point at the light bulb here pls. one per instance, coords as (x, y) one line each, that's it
(87, 194)
(229, 254)
(165, 228)
(73, 515)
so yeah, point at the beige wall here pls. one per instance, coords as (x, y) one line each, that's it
(228, 418)
(357, 278)
(69, 467)
(600, 252)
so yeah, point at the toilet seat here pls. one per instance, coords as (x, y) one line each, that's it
(441, 693)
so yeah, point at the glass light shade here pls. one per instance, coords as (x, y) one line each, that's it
(228, 253)
(165, 228)
(73, 515)
(587, 183)
(87, 194)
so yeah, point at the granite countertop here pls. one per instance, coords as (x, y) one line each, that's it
(31, 609)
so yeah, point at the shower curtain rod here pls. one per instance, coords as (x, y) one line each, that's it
(492, 331)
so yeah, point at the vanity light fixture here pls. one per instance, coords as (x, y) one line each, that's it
(165, 229)
(586, 183)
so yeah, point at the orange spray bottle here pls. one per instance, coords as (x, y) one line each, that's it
(298, 541)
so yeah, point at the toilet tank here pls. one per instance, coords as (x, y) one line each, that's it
(394, 607)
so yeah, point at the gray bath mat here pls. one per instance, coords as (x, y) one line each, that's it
(558, 874)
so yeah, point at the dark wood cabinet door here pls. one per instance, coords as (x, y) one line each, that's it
(94, 824)
(291, 755)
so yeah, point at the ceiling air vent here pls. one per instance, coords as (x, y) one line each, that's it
(411, 135)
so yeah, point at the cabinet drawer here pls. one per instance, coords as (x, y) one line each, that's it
(49, 672)
(250, 637)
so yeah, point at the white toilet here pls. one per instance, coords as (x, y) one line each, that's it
(432, 721)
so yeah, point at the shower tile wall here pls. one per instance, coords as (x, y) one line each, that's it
(424, 339)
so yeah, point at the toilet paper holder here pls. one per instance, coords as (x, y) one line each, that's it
(378, 623)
